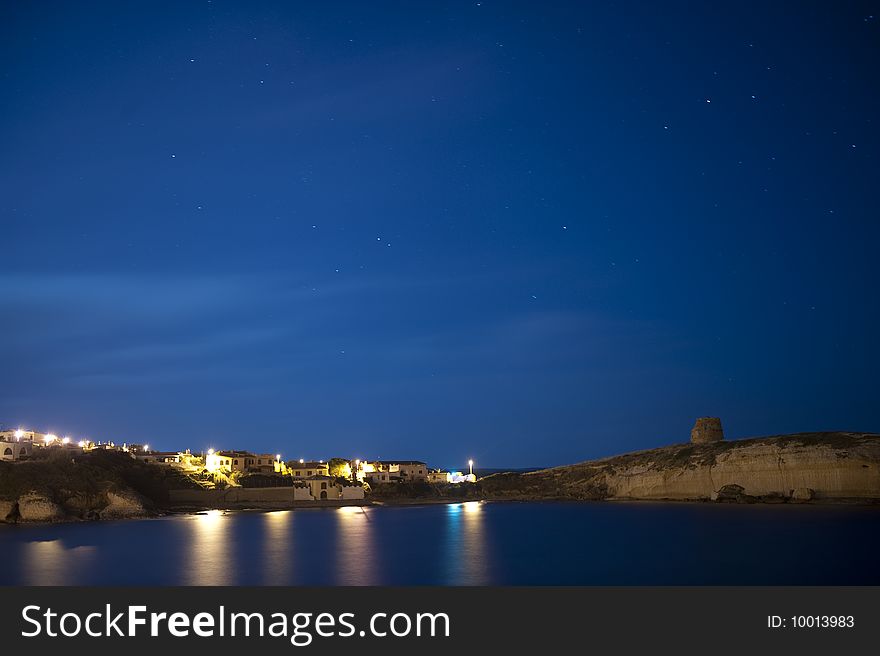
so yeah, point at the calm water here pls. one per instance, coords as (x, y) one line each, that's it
(459, 544)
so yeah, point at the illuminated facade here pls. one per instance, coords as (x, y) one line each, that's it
(20, 435)
(439, 476)
(390, 471)
(322, 487)
(243, 461)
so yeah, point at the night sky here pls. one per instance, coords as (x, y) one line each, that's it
(527, 233)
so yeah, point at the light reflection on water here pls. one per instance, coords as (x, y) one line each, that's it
(210, 550)
(466, 544)
(277, 547)
(355, 547)
(49, 562)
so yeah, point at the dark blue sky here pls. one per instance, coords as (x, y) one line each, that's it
(527, 233)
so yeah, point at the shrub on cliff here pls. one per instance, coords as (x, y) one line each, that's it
(265, 480)
(60, 475)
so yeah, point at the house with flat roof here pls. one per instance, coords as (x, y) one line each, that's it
(243, 461)
(307, 468)
(389, 471)
(21, 435)
(264, 463)
(157, 457)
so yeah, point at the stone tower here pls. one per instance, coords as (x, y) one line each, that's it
(707, 429)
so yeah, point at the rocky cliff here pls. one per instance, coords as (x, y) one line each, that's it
(786, 468)
(99, 485)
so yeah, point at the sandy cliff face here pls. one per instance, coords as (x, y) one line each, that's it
(41, 507)
(7, 509)
(123, 504)
(36, 507)
(762, 468)
(824, 466)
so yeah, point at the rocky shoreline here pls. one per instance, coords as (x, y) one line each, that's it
(34, 506)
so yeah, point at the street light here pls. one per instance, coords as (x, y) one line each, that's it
(471, 465)
(19, 434)
(66, 440)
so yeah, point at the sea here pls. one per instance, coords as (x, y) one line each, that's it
(459, 544)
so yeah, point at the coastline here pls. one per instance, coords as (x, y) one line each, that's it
(412, 503)
(819, 469)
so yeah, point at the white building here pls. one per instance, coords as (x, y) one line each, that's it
(21, 435)
(158, 457)
(244, 461)
(389, 471)
(323, 488)
(439, 476)
(458, 477)
(12, 451)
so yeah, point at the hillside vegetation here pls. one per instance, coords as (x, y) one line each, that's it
(55, 485)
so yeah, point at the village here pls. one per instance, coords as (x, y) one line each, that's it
(333, 479)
